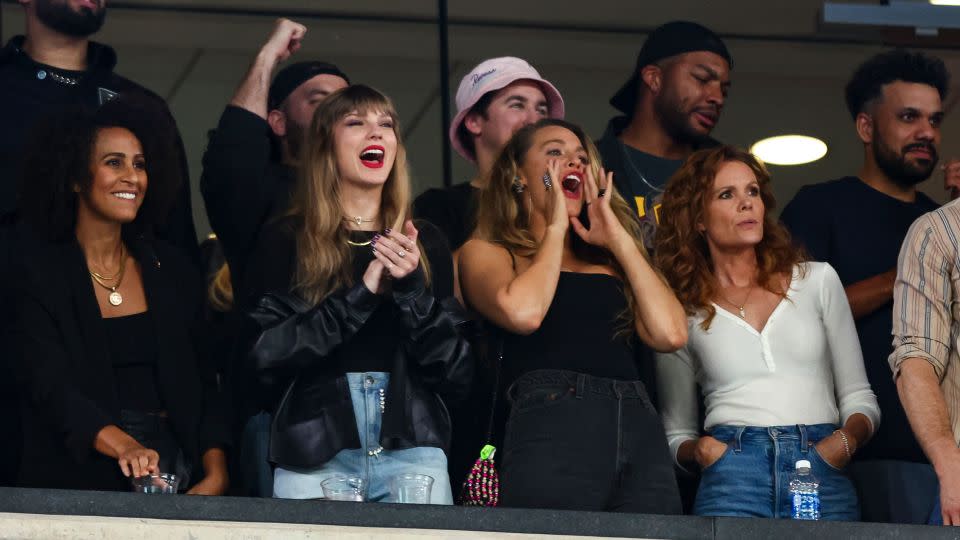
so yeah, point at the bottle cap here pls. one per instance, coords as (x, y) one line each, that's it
(803, 464)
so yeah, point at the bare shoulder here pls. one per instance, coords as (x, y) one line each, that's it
(488, 259)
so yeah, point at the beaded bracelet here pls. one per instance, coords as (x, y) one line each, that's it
(846, 442)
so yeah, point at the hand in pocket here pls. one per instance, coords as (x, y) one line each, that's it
(708, 451)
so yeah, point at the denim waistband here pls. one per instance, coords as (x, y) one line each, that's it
(580, 382)
(359, 381)
(798, 432)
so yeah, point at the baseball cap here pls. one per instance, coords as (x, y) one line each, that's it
(668, 40)
(492, 75)
(291, 77)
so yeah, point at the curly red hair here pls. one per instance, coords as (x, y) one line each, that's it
(681, 251)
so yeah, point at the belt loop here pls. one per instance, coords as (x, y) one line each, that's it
(737, 447)
(581, 384)
(804, 441)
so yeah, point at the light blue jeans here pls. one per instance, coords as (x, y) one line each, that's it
(377, 466)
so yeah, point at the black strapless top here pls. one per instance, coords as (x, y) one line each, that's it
(583, 331)
(132, 341)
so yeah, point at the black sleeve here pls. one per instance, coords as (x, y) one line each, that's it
(437, 251)
(432, 206)
(807, 221)
(42, 366)
(236, 183)
(443, 357)
(272, 263)
(215, 415)
(288, 334)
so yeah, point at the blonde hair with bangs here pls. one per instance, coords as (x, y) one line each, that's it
(324, 259)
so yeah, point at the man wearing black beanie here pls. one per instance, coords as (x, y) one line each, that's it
(248, 166)
(248, 173)
(671, 104)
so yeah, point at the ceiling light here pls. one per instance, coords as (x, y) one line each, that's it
(945, 2)
(789, 149)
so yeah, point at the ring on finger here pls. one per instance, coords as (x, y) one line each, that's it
(401, 254)
(602, 192)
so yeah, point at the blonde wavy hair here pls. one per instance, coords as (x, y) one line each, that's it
(324, 260)
(503, 218)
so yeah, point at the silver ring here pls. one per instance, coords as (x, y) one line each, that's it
(401, 254)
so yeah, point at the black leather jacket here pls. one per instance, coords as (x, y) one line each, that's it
(314, 418)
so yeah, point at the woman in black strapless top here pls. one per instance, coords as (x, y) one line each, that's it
(582, 433)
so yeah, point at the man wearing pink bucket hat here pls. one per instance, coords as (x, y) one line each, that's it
(494, 100)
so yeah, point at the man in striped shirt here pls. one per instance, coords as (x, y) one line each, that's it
(926, 359)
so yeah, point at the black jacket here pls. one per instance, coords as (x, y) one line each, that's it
(63, 365)
(293, 346)
(29, 93)
(243, 184)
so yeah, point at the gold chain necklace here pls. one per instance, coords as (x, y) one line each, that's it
(743, 314)
(358, 220)
(359, 244)
(115, 298)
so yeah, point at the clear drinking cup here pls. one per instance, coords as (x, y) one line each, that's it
(344, 488)
(412, 488)
(163, 483)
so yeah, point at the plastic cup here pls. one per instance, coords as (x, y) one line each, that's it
(412, 488)
(153, 484)
(343, 488)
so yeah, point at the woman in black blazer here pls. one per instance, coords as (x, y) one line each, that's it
(112, 386)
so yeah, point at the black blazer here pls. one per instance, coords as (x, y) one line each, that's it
(63, 365)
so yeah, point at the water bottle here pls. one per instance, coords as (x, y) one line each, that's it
(804, 492)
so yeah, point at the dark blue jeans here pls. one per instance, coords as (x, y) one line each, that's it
(751, 479)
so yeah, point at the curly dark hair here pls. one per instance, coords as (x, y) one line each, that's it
(58, 158)
(868, 80)
(681, 252)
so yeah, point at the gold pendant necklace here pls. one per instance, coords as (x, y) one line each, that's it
(743, 314)
(115, 298)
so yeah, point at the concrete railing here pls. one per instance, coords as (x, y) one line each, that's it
(33, 513)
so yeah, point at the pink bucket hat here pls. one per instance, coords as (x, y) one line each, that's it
(492, 75)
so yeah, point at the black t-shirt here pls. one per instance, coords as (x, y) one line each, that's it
(858, 230)
(452, 210)
(639, 177)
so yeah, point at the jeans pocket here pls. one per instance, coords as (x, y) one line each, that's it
(818, 457)
(726, 453)
(542, 396)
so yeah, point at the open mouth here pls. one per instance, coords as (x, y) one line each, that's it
(571, 185)
(372, 157)
(125, 195)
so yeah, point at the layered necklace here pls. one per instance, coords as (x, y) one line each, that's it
(115, 298)
(359, 220)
